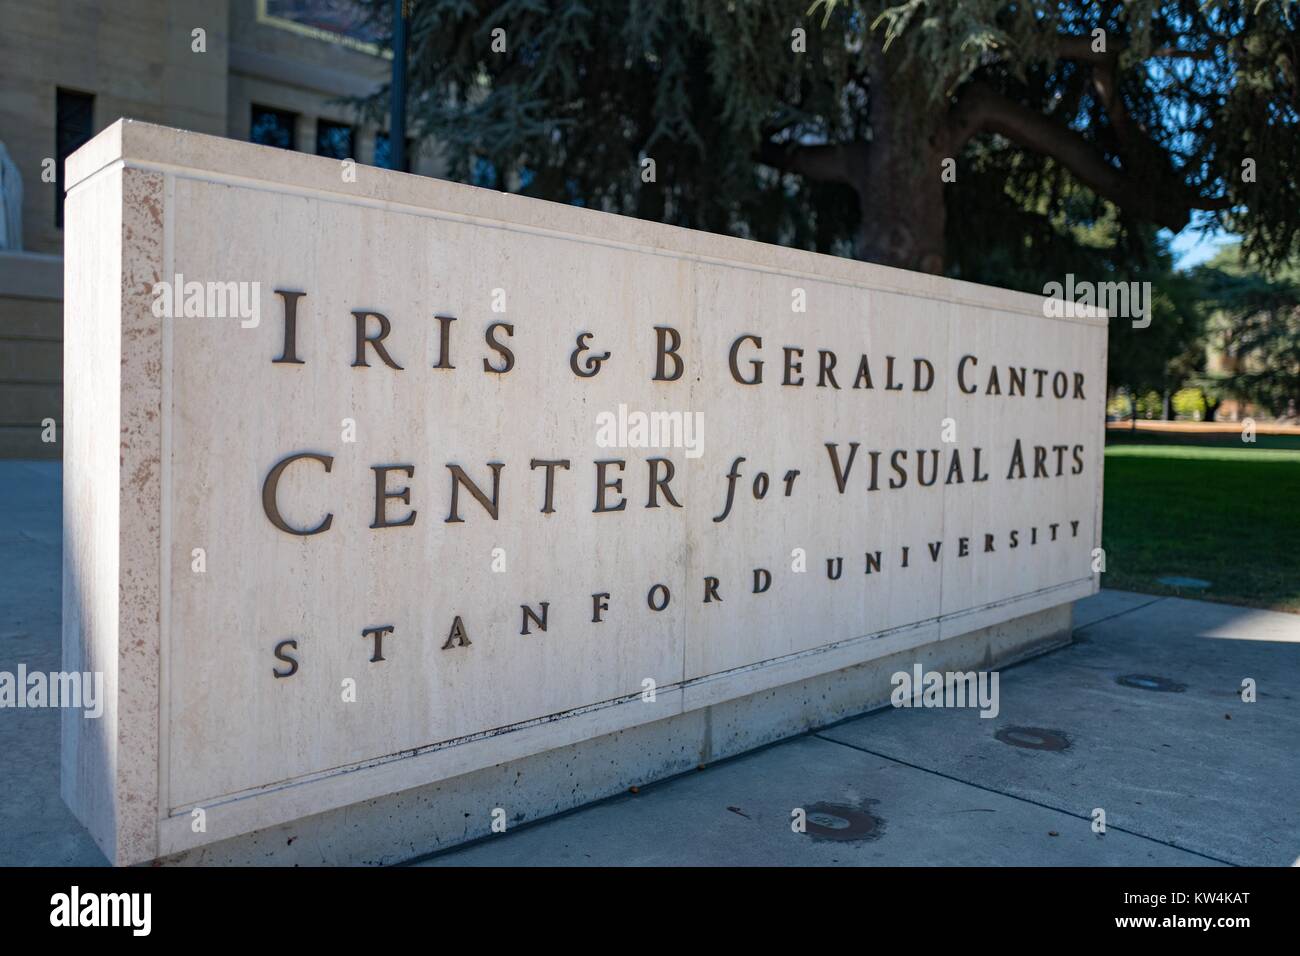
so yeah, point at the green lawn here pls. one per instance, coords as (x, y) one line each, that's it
(1228, 515)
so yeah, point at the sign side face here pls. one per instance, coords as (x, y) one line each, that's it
(445, 490)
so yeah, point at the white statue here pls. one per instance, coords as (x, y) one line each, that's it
(11, 203)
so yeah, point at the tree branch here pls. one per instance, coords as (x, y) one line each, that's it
(1211, 203)
(1145, 160)
(1173, 53)
(831, 163)
(981, 108)
(1074, 47)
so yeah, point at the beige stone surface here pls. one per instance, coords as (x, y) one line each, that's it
(203, 413)
(113, 510)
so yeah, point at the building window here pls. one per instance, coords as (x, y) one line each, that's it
(383, 157)
(333, 139)
(75, 125)
(272, 127)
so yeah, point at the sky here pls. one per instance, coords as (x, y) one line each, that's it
(1192, 246)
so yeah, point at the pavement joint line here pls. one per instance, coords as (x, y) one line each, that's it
(1030, 800)
(1155, 599)
(814, 732)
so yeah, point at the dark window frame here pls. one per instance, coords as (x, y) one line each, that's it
(74, 126)
(323, 125)
(382, 137)
(288, 118)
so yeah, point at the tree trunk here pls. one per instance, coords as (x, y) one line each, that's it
(901, 199)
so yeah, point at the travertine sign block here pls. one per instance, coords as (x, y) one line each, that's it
(373, 480)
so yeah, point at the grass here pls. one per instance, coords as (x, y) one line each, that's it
(1228, 515)
(1202, 439)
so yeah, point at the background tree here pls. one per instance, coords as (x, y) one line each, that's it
(1254, 322)
(836, 139)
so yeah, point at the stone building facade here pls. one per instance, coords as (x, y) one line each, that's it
(272, 71)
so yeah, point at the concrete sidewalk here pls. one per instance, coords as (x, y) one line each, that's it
(1186, 773)
(1145, 705)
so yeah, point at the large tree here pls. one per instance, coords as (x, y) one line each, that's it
(1254, 322)
(830, 128)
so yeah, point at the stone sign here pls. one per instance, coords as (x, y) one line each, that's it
(372, 480)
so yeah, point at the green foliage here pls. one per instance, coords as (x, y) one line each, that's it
(1189, 403)
(587, 88)
(1255, 320)
(1150, 405)
(1119, 406)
